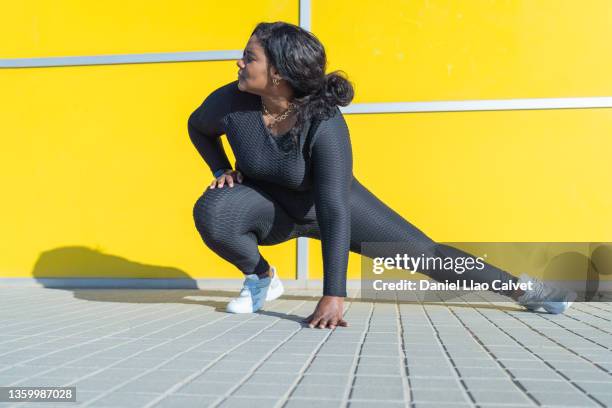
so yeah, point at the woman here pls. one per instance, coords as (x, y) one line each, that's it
(294, 177)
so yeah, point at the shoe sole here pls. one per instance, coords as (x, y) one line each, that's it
(229, 309)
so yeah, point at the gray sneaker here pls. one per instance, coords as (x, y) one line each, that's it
(544, 296)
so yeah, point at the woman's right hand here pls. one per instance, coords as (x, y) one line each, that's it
(228, 177)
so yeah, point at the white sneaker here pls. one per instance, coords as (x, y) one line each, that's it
(276, 288)
(544, 296)
(255, 292)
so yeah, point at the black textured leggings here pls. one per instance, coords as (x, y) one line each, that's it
(233, 221)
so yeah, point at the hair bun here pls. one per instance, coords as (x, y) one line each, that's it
(338, 90)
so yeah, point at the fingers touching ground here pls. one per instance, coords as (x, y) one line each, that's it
(322, 322)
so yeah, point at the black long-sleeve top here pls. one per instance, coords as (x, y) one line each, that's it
(318, 172)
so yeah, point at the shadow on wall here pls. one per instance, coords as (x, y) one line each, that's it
(87, 263)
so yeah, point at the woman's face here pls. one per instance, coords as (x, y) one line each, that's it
(253, 75)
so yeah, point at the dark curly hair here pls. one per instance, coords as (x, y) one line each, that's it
(299, 57)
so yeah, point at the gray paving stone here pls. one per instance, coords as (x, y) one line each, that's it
(291, 368)
(513, 355)
(467, 372)
(369, 381)
(261, 390)
(185, 401)
(482, 396)
(325, 379)
(452, 396)
(140, 385)
(42, 382)
(123, 399)
(329, 368)
(590, 386)
(310, 403)
(83, 396)
(216, 376)
(531, 364)
(206, 388)
(546, 385)
(438, 383)
(604, 398)
(318, 391)
(241, 402)
(527, 373)
(606, 365)
(379, 360)
(585, 375)
(118, 373)
(322, 365)
(378, 369)
(572, 365)
(431, 371)
(72, 372)
(272, 378)
(333, 360)
(229, 366)
(377, 393)
(166, 375)
(184, 364)
(564, 399)
(142, 363)
(384, 352)
(286, 358)
(498, 384)
(337, 350)
(23, 371)
(381, 404)
(97, 384)
(480, 363)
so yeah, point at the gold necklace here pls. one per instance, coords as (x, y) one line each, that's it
(279, 118)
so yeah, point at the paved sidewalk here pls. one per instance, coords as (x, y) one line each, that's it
(178, 348)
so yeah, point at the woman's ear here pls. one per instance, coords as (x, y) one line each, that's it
(274, 73)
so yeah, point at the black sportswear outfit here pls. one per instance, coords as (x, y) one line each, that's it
(288, 193)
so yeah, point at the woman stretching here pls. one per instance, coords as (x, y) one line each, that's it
(294, 178)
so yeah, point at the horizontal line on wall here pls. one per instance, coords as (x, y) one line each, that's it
(356, 108)
(221, 55)
(479, 105)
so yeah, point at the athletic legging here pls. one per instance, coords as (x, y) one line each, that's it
(293, 193)
(233, 221)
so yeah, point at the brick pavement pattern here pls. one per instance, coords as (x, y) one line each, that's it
(179, 348)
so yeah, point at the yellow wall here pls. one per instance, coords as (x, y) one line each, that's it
(99, 172)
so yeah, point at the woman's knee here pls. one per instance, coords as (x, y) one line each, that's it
(217, 214)
(205, 212)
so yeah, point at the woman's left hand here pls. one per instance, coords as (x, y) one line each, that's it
(328, 313)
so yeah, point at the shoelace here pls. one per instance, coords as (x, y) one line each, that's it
(246, 288)
(538, 289)
(534, 296)
(251, 287)
(539, 293)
